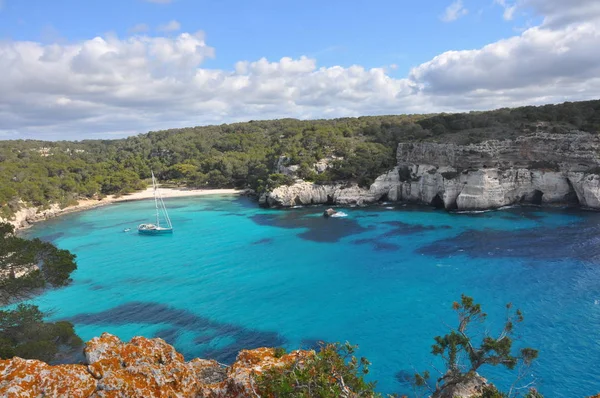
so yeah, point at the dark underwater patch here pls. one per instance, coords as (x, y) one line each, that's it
(234, 214)
(140, 280)
(169, 335)
(312, 344)
(319, 229)
(402, 228)
(97, 287)
(263, 241)
(246, 340)
(52, 237)
(574, 241)
(87, 245)
(377, 244)
(177, 320)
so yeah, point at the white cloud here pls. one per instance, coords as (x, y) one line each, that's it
(556, 13)
(563, 12)
(110, 86)
(539, 57)
(139, 28)
(454, 11)
(171, 26)
(509, 9)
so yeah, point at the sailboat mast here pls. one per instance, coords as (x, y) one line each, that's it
(155, 199)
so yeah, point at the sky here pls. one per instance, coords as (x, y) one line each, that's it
(86, 69)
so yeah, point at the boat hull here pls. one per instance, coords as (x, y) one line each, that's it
(161, 231)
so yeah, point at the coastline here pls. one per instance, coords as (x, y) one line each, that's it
(26, 217)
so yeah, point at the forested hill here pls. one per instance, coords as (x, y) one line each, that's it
(245, 154)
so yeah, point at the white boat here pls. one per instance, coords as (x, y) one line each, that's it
(157, 229)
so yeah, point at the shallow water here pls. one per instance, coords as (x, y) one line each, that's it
(235, 276)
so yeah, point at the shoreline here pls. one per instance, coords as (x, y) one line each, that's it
(26, 217)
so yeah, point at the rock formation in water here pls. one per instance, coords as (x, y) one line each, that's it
(142, 368)
(536, 169)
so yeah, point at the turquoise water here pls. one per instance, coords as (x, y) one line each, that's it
(236, 276)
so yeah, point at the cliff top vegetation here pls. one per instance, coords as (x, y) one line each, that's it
(245, 155)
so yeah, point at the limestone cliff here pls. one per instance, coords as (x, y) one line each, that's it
(538, 169)
(142, 368)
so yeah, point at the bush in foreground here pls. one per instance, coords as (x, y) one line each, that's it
(24, 333)
(332, 372)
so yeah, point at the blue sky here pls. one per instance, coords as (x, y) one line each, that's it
(75, 68)
(368, 33)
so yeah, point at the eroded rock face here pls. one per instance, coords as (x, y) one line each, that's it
(142, 368)
(471, 388)
(537, 169)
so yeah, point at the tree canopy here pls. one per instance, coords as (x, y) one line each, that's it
(244, 155)
(29, 265)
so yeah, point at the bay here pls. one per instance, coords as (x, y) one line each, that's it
(236, 276)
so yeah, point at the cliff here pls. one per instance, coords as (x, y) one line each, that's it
(535, 169)
(143, 368)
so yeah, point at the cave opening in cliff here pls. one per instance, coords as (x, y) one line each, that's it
(571, 197)
(437, 202)
(329, 200)
(536, 197)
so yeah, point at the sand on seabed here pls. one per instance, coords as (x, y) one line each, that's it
(148, 193)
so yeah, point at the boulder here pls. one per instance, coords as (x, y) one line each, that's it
(142, 368)
(329, 212)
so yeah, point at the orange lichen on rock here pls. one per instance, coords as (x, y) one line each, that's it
(32, 378)
(143, 368)
(240, 375)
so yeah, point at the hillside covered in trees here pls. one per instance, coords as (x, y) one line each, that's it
(244, 155)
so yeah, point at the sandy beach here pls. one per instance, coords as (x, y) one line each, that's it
(148, 193)
(25, 217)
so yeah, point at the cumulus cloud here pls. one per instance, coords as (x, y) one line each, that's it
(171, 26)
(556, 13)
(539, 56)
(454, 11)
(559, 13)
(122, 86)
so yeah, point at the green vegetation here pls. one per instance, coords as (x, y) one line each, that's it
(463, 357)
(24, 333)
(332, 372)
(26, 266)
(29, 265)
(244, 155)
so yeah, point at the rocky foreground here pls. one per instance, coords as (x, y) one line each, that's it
(143, 368)
(541, 169)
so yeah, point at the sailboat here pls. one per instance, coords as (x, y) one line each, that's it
(157, 229)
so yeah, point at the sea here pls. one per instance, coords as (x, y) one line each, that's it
(235, 276)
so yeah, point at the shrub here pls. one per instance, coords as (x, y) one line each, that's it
(333, 372)
(463, 356)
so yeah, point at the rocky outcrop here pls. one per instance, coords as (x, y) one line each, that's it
(576, 151)
(142, 368)
(25, 216)
(537, 169)
(306, 193)
(472, 387)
